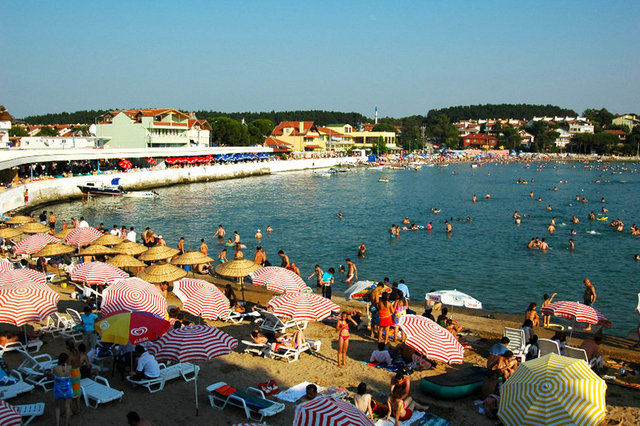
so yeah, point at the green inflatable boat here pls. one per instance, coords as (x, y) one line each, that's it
(455, 384)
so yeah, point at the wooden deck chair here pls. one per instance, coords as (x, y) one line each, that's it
(98, 391)
(253, 401)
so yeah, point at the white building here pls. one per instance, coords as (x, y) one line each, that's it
(580, 126)
(563, 140)
(5, 126)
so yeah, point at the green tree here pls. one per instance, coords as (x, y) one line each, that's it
(443, 131)
(411, 135)
(601, 118)
(384, 127)
(47, 131)
(600, 143)
(510, 138)
(380, 147)
(18, 131)
(226, 131)
(264, 125)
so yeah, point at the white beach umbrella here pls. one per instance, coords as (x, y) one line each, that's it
(454, 298)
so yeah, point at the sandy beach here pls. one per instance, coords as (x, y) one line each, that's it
(176, 403)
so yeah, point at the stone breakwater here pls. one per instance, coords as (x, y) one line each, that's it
(55, 190)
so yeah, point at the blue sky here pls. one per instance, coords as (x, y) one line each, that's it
(406, 57)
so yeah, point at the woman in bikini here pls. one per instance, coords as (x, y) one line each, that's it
(62, 391)
(386, 321)
(399, 309)
(343, 337)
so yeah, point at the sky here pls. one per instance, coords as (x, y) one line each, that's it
(407, 57)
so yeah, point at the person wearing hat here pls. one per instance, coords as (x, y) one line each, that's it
(160, 241)
(258, 234)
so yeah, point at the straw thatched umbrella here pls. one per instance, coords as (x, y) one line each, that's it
(158, 253)
(62, 234)
(96, 250)
(54, 249)
(130, 248)
(19, 220)
(164, 272)
(192, 258)
(8, 233)
(108, 240)
(34, 228)
(125, 261)
(237, 268)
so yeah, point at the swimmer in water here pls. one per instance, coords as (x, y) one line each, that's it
(488, 196)
(636, 256)
(406, 221)
(573, 232)
(572, 246)
(543, 245)
(549, 207)
(448, 227)
(429, 226)
(531, 194)
(551, 228)
(539, 199)
(339, 215)
(269, 228)
(361, 250)
(592, 216)
(474, 198)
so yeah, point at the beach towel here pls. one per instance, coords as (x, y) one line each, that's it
(430, 419)
(296, 392)
(393, 367)
(417, 415)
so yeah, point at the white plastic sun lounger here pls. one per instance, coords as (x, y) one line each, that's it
(548, 346)
(98, 391)
(578, 353)
(31, 411)
(33, 345)
(36, 369)
(517, 343)
(291, 354)
(11, 391)
(253, 401)
(237, 317)
(276, 324)
(186, 370)
(260, 349)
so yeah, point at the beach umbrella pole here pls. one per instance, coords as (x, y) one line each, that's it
(195, 381)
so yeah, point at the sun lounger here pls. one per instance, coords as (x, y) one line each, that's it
(76, 320)
(185, 370)
(547, 346)
(55, 325)
(32, 344)
(237, 317)
(37, 369)
(31, 411)
(11, 391)
(517, 343)
(260, 349)
(578, 353)
(291, 354)
(98, 391)
(253, 401)
(276, 324)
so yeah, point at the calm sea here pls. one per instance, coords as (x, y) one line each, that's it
(486, 258)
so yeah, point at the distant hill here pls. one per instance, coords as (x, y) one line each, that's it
(518, 111)
(319, 116)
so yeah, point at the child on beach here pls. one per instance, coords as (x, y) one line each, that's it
(546, 319)
(343, 337)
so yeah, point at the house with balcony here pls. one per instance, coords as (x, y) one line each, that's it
(621, 134)
(479, 140)
(564, 137)
(300, 135)
(151, 128)
(580, 127)
(629, 120)
(363, 138)
(5, 126)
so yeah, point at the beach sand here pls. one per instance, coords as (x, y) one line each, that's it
(176, 403)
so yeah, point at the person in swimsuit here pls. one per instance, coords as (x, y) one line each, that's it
(317, 272)
(589, 297)
(400, 307)
(285, 259)
(546, 319)
(326, 281)
(204, 249)
(386, 321)
(76, 359)
(343, 337)
(532, 314)
(62, 390)
(363, 400)
(398, 407)
(352, 273)
(219, 233)
(361, 250)
(180, 245)
(222, 257)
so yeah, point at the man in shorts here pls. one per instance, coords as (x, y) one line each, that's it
(352, 273)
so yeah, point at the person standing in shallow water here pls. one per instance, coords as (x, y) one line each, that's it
(589, 297)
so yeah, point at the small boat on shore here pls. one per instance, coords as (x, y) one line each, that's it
(339, 170)
(141, 194)
(98, 188)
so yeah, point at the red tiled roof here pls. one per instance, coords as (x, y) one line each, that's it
(616, 132)
(271, 141)
(306, 126)
(329, 131)
(147, 112)
(5, 116)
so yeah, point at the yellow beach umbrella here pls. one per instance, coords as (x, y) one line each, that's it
(62, 234)
(108, 240)
(191, 258)
(125, 261)
(158, 253)
(130, 248)
(96, 250)
(553, 390)
(54, 249)
(237, 268)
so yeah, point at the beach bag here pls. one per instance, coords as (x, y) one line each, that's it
(269, 388)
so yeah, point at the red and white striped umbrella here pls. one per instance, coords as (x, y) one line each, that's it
(576, 311)
(34, 243)
(303, 306)
(278, 279)
(192, 343)
(133, 294)
(201, 298)
(329, 411)
(82, 236)
(97, 273)
(431, 340)
(5, 266)
(9, 415)
(24, 302)
(22, 275)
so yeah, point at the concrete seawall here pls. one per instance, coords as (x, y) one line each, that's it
(55, 190)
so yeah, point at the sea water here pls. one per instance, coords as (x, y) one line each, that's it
(486, 257)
